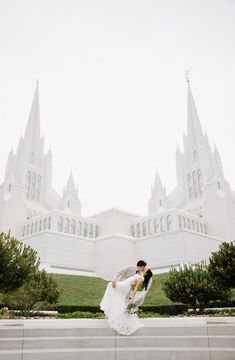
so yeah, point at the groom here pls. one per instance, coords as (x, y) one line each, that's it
(128, 271)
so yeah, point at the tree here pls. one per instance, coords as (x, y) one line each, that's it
(40, 290)
(193, 285)
(18, 263)
(222, 265)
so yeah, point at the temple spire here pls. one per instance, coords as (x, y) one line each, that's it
(70, 189)
(157, 187)
(32, 131)
(194, 130)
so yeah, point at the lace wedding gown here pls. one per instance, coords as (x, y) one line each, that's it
(114, 304)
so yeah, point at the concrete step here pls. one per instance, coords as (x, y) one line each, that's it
(122, 354)
(118, 341)
(162, 339)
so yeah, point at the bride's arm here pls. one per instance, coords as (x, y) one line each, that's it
(139, 282)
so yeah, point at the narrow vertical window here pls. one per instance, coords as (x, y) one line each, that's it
(133, 230)
(190, 188)
(96, 231)
(91, 231)
(168, 222)
(73, 227)
(79, 227)
(144, 228)
(33, 185)
(60, 224)
(49, 223)
(161, 224)
(28, 181)
(149, 227)
(155, 225)
(199, 179)
(85, 230)
(67, 224)
(38, 187)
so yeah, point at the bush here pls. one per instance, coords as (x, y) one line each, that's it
(34, 294)
(194, 286)
(18, 263)
(222, 265)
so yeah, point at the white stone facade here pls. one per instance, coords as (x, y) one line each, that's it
(183, 226)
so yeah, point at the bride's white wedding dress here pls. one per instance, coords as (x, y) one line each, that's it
(114, 304)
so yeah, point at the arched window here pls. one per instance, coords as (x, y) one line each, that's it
(168, 222)
(67, 225)
(144, 228)
(79, 228)
(96, 231)
(27, 185)
(199, 178)
(149, 227)
(31, 228)
(189, 225)
(36, 227)
(85, 229)
(184, 222)
(60, 223)
(156, 225)
(161, 222)
(33, 186)
(190, 188)
(9, 187)
(49, 222)
(38, 187)
(91, 231)
(40, 225)
(133, 230)
(180, 224)
(73, 227)
(138, 230)
(197, 225)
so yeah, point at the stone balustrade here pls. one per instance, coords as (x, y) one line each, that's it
(61, 222)
(168, 221)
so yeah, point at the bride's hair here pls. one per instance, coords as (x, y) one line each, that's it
(147, 277)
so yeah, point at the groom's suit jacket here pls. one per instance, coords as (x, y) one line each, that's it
(125, 273)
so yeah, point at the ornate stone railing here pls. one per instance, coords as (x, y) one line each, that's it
(167, 221)
(64, 223)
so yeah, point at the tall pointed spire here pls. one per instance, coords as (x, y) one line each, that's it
(32, 131)
(70, 189)
(157, 187)
(194, 130)
(158, 199)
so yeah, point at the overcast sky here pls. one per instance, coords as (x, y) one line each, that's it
(113, 91)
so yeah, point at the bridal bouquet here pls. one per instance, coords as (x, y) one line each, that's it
(133, 308)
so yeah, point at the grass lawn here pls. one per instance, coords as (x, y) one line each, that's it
(83, 290)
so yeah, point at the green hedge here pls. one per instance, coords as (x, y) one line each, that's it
(165, 309)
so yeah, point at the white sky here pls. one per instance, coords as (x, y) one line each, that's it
(112, 88)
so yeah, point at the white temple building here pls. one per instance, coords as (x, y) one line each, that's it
(185, 225)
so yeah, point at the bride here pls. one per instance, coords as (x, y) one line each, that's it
(115, 302)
